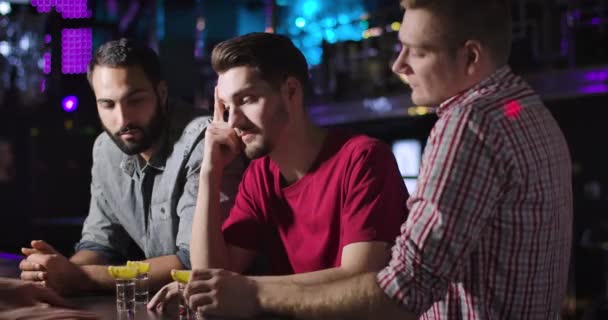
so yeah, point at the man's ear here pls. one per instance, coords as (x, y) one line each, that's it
(163, 91)
(293, 89)
(473, 51)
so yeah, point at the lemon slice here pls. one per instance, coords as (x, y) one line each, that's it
(122, 272)
(142, 267)
(181, 276)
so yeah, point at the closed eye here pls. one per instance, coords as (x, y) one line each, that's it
(249, 99)
(105, 104)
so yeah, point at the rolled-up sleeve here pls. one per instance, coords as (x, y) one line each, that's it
(101, 231)
(458, 187)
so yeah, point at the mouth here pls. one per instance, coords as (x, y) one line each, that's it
(129, 134)
(245, 136)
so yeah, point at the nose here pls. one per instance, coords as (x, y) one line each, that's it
(235, 117)
(122, 115)
(401, 65)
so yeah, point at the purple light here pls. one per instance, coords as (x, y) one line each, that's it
(69, 9)
(595, 88)
(76, 50)
(9, 256)
(43, 85)
(69, 103)
(47, 38)
(47, 63)
(596, 21)
(598, 76)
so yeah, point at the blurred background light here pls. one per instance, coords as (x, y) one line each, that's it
(5, 48)
(300, 22)
(69, 103)
(5, 8)
(314, 22)
(77, 50)
(24, 43)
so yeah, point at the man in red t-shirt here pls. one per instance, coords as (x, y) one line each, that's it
(323, 205)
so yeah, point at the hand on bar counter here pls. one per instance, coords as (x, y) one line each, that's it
(27, 300)
(46, 266)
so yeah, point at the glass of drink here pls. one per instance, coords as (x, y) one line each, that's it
(125, 289)
(142, 294)
(182, 277)
(125, 295)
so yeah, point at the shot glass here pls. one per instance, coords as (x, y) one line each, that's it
(124, 278)
(141, 281)
(142, 295)
(183, 311)
(125, 295)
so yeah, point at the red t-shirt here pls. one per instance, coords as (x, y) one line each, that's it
(353, 193)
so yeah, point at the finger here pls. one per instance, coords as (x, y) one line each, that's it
(235, 143)
(197, 287)
(26, 265)
(33, 275)
(200, 300)
(39, 258)
(158, 299)
(163, 296)
(201, 274)
(44, 247)
(28, 251)
(227, 137)
(218, 107)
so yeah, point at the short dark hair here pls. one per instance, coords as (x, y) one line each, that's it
(488, 21)
(127, 53)
(274, 57)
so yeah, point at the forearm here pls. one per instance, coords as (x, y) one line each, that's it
(207, 246)
(309, 278)
(95, 272)
(88, 257)
(356, 297)
(98, 279)
(357, 258)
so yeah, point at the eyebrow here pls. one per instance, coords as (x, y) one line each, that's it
(126, 96)
(418, 46)
(240, 92)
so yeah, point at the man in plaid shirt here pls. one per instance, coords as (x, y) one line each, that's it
(489, 230)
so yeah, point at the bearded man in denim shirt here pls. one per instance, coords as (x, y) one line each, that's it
(144, 179)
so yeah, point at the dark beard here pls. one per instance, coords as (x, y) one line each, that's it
(150, 134)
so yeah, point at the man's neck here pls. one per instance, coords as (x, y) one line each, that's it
(299, 149)
(147, 155)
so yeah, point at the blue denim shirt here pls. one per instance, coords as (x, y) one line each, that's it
(151, 203)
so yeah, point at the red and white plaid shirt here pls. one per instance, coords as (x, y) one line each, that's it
(489, 230)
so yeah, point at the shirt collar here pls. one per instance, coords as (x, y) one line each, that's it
(496, 76)
(130, 164)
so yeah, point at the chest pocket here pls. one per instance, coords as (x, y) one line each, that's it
(161, 211)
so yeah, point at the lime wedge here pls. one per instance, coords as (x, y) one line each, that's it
(122, 272)
(142, 267)
(181, 276)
